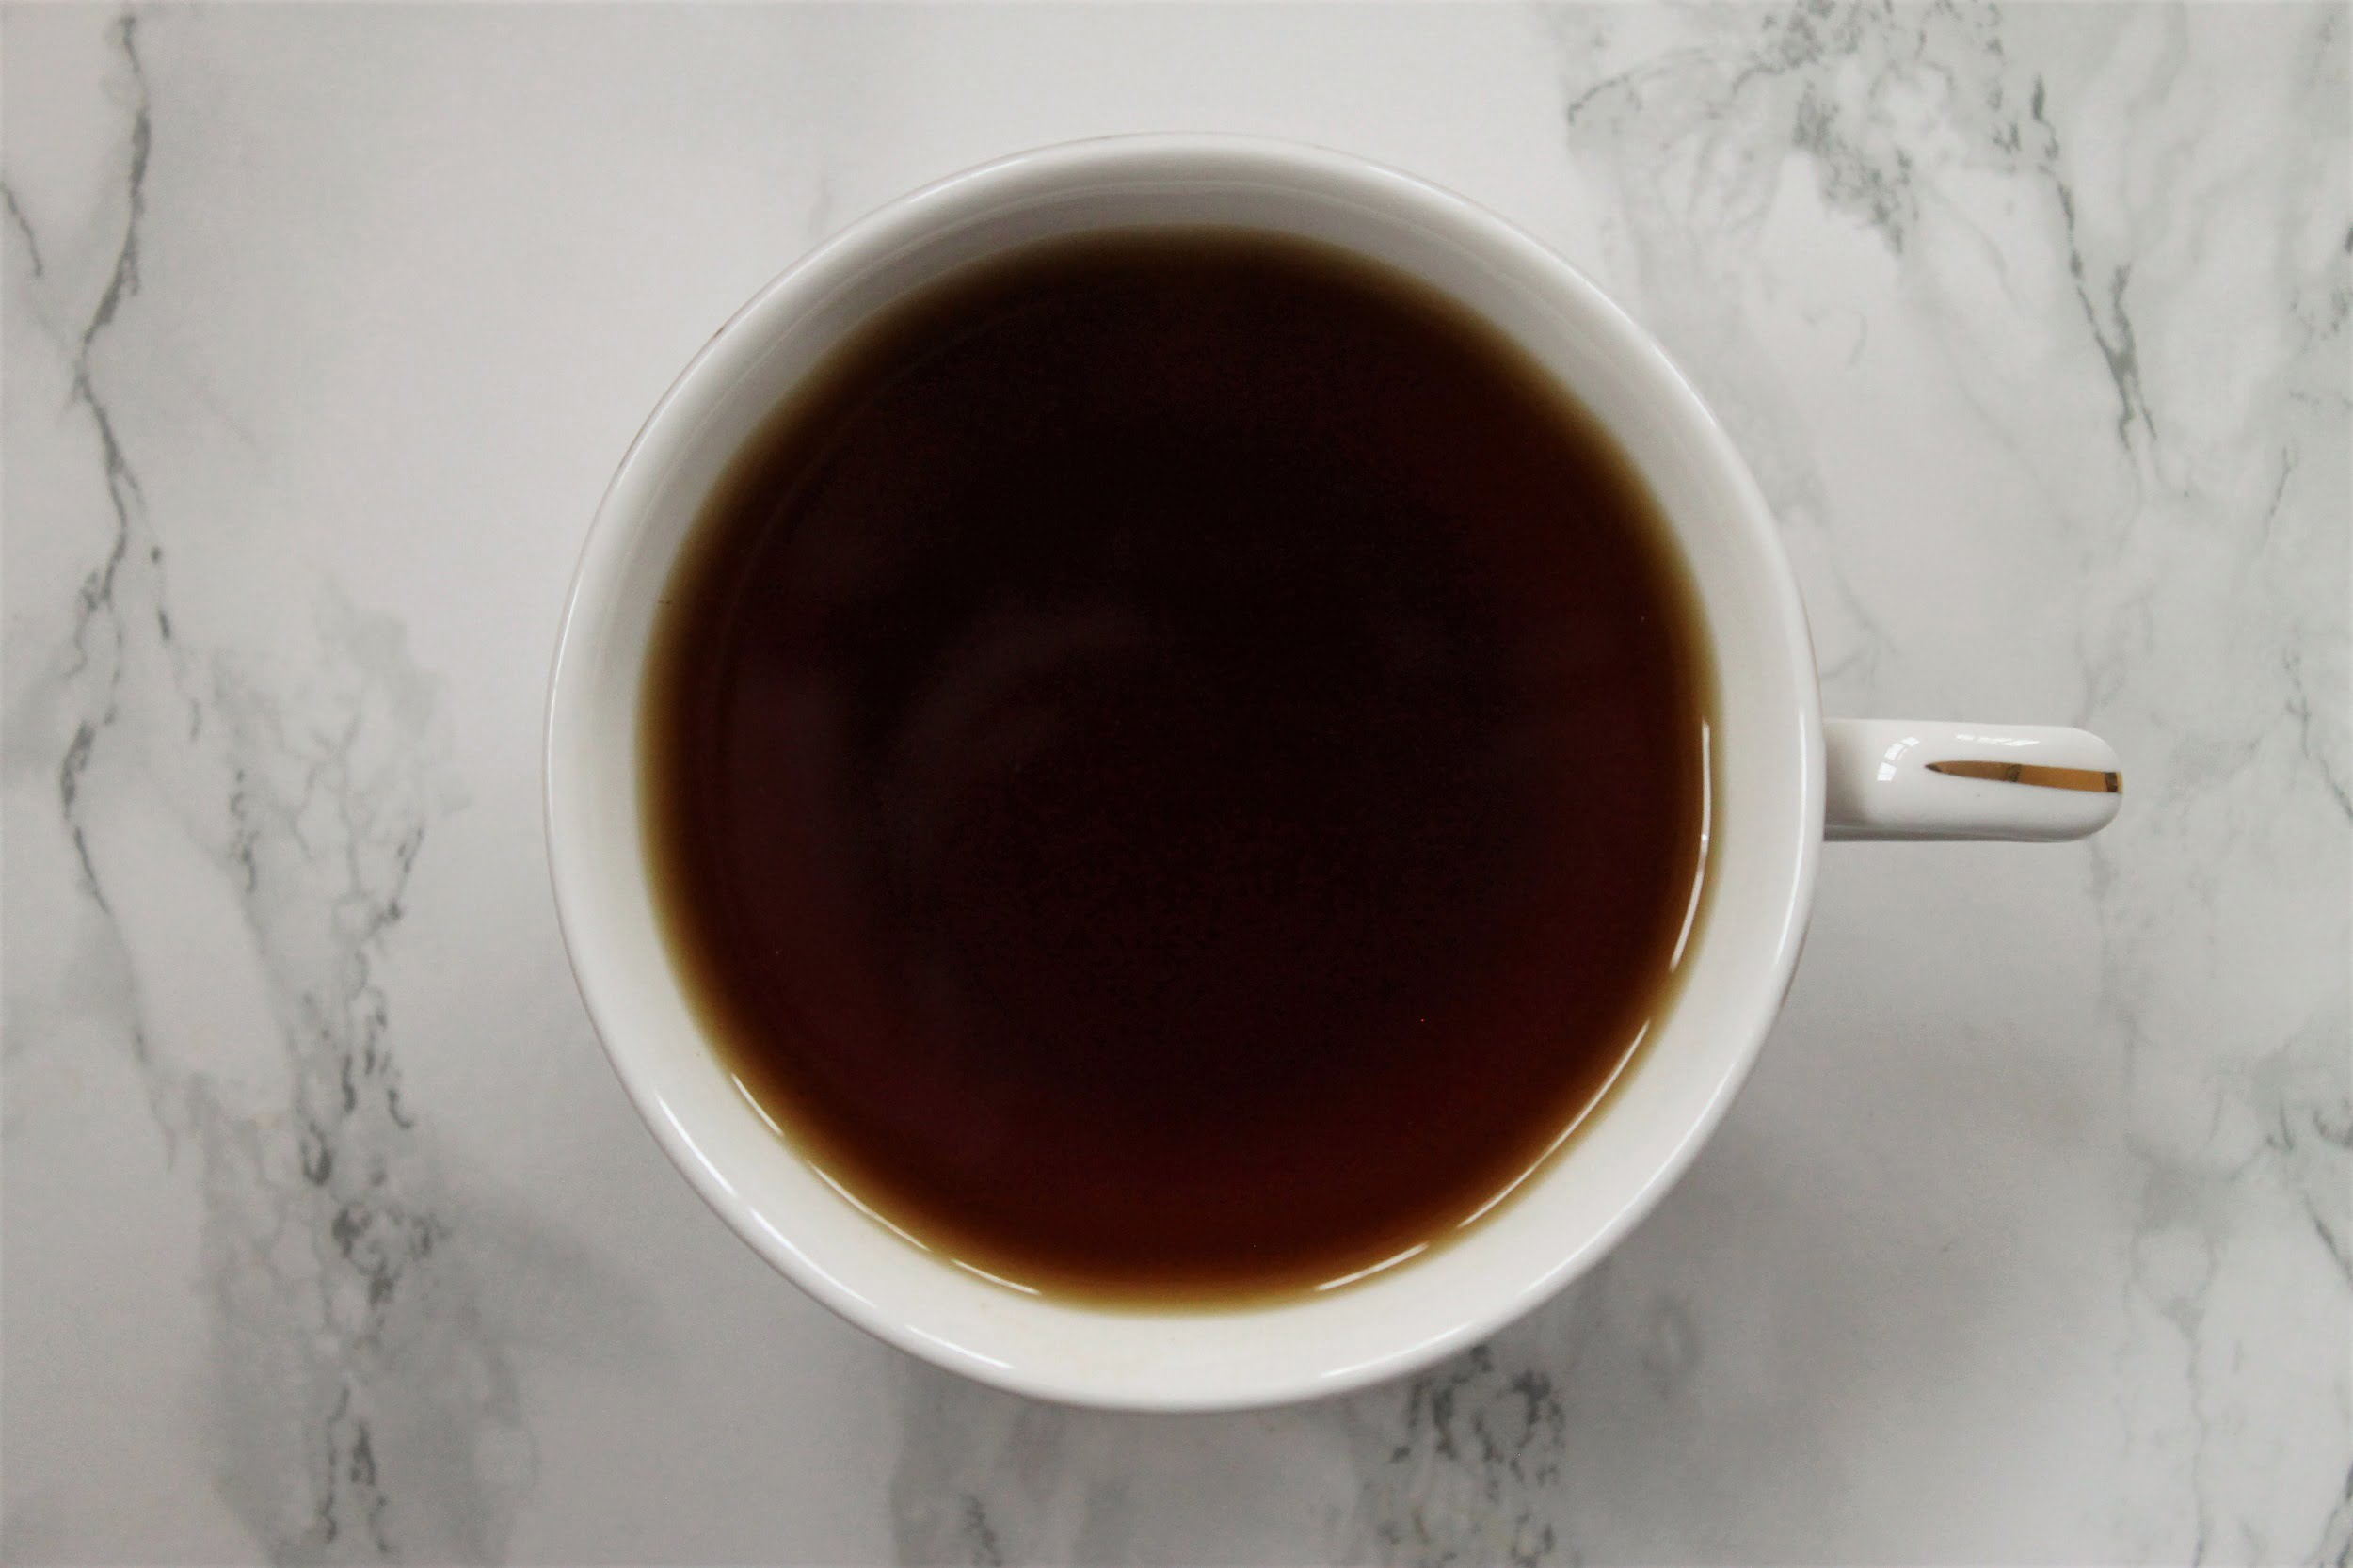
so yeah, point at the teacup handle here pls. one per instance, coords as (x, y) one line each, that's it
(1908, 779)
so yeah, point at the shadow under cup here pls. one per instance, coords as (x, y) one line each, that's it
(1762, 771)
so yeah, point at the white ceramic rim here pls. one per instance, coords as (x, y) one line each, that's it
(654, 1073)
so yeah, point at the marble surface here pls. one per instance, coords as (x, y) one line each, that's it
(328, 1235)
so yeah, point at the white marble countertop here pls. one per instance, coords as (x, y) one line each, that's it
(329, 1234)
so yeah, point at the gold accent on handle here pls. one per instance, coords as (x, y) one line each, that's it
(2030, 772)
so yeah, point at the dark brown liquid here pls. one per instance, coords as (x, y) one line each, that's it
(1173, 766)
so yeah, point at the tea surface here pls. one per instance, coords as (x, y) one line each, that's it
(1173, 766)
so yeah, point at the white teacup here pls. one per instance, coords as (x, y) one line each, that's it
(1781, 780)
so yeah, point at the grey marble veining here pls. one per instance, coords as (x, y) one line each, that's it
(326, 1234)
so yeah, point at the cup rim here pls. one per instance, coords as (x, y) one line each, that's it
(703, 385)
